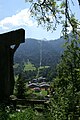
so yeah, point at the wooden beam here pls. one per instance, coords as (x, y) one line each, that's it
(13, 37)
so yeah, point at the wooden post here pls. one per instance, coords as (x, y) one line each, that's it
(6, 60)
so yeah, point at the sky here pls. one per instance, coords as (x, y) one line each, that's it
(14, 14)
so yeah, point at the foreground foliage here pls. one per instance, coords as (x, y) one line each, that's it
(66, 100)
(6, 113)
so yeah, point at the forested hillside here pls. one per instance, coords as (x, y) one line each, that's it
(36, 51)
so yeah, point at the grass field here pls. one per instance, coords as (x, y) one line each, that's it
(36, 95)
(29, 67)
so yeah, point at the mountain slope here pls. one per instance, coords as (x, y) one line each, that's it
(40, 52)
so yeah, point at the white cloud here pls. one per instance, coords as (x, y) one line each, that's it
(22, 18)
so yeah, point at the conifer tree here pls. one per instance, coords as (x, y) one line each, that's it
(20, 87)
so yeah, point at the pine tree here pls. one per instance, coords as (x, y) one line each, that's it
(20, 87)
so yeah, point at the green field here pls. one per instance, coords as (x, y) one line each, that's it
(29, 66)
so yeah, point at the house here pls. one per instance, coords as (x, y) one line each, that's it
(39, 84)
(37, 89)
(34, 81)
(33, 85)
(45, 86)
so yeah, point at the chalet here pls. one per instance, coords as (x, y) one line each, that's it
(33, 85)
(37, 89)
(42, 83)
(34, 81)
(45, 86)
(39, 84)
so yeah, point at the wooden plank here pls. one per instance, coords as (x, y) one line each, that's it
(13, 37)
(4, 81)
(25, 101)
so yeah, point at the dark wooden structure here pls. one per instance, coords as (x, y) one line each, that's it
(33, 103)
(6, 60)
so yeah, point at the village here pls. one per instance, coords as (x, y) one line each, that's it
(39, 88)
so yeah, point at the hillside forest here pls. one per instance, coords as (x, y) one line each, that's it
(41, 54)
